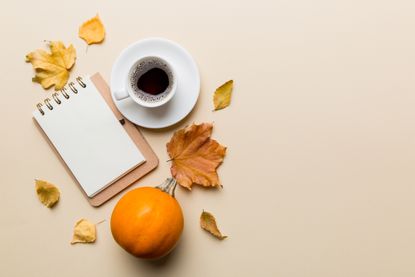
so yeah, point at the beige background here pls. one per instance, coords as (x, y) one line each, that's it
(319, 177)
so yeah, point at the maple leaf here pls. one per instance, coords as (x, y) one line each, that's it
(208, 223)
(47, 193)
(222, 95)
(92, 31)
(52, 68)
(195, 156)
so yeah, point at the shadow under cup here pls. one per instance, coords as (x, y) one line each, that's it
(151, 82)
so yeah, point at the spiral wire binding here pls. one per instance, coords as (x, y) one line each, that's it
(56, 98)
(39, 107)
(79, 80)
(72, 87)
(63, 92)
(47, 103)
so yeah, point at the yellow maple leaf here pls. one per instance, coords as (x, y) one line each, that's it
(84, 232)
(208, 223)
(92, 31)
(52, 68)
(47, 193)
(222, 95)
(195, 156)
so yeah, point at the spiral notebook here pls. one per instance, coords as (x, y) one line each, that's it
(88, 136)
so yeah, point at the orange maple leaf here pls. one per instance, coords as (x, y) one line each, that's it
(195, 156)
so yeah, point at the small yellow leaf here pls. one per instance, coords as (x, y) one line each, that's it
(84, 232)
(222, 96)
(52, 68)
(92, 31)
(208, 223)
(47, 193)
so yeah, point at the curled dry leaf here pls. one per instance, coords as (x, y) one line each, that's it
(47, 193)
(195, 156)
(92, 31)
(84, 232)
(222, 95)
(208, 223)
(52, 69)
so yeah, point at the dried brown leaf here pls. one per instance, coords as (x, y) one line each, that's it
(195, 156)
(208, 223)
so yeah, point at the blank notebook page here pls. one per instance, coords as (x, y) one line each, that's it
(89, 138)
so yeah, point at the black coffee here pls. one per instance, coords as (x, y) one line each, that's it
(154, 81)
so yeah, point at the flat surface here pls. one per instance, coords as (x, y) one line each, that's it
(89, 138)
(319, 177)
(186, 72)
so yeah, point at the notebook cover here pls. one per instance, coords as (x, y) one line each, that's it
(134, 175)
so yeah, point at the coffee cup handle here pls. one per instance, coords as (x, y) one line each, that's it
(121, 94)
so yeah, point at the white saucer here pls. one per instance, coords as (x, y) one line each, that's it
(188, 85)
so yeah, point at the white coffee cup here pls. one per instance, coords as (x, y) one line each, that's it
(138, 95)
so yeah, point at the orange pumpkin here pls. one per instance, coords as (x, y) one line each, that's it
(147, 222)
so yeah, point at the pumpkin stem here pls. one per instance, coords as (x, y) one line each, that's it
(168, 186)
